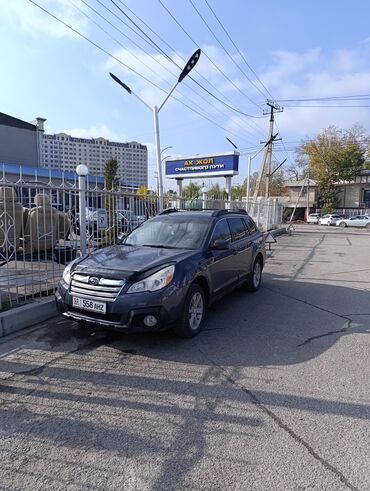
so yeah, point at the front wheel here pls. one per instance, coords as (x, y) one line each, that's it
(192, 318)
(255, 280)
(343, 224)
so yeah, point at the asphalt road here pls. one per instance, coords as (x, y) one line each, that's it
(273, 395)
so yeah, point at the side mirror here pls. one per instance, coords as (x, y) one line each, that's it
(220, 245)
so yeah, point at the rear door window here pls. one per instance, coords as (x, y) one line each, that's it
(238, 228)
(251, 225)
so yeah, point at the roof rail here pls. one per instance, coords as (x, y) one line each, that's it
(218, 213)
(168, 210)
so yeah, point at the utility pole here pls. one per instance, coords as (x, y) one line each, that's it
(265, 168)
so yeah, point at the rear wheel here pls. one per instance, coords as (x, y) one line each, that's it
(192, 318)
(254, 282)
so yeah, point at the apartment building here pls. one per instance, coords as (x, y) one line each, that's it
(65, 152)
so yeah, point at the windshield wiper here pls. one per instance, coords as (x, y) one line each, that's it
(160, 246)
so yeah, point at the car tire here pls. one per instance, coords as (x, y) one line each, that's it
(367, 225)
(193, 314)
(343, 224)
(255, 279)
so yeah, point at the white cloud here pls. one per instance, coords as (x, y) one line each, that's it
(314, 74)
(291, 75)
(33, 20)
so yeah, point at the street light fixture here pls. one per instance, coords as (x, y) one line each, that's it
(165, 148)
(155, 110)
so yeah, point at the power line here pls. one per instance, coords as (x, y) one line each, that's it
(225, 50)
(328, 98)
(169, 46)
(239, 51)
(327, 106)
(204, 53)
(130, 39)
(108, 34)
(129, 68)
(151, 43)
(96, 45)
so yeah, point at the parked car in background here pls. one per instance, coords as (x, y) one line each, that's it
(129, 217)
(329, 219)
(355, 221)
(165, 272)
(313, 218)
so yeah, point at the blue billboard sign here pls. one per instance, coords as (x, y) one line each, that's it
(203, 166)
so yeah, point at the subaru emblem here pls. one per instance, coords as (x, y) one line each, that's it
(93, 280)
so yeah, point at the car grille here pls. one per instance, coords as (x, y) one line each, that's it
(105, 289)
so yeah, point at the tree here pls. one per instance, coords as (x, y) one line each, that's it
(238, 191)
(252, 183)
(277, 183)
(298, 169)
(215, 192)
(111, 183)
(192, 190)
(110, 174)
(333, 156)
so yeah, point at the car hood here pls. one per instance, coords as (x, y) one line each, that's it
(121, 261)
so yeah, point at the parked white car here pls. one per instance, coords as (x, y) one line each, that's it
(313, 218)
(330, 219)
(355, 221)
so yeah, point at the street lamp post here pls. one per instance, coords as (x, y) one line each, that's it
(155, 110)
(250, 158)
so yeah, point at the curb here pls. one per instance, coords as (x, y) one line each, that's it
(278, 231)
(19, 318)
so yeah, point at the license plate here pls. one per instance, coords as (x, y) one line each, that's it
(86, 304)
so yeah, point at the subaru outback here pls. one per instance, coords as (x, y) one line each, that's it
(165, 272)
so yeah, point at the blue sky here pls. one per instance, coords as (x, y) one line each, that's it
(305, 49)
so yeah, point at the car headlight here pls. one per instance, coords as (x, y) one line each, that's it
(67, 273)
(155, 282)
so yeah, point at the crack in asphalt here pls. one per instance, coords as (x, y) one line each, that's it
(307, 303)
(256, 401)
(330, 333)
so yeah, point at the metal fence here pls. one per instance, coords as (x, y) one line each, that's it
(43, 226)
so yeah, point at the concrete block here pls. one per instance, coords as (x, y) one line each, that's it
(27, 315)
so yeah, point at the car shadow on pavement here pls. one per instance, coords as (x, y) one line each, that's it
(136, 383)
(285, 322)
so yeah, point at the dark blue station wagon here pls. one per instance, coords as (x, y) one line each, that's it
(165, 272)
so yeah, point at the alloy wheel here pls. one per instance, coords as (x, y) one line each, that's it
(196, 311)
(257, 271)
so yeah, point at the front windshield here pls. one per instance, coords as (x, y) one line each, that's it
(167, 232)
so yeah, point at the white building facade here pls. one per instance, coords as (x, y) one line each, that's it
(65, 152)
